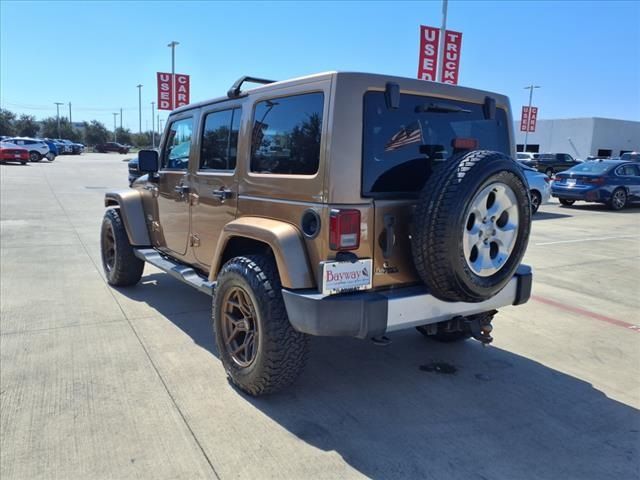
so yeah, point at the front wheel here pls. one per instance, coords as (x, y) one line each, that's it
(34, 157)
(618, 199)
(566, 202)
(260, 350)
(121, 267)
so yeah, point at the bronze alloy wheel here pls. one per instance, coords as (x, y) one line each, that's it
(240, 331)
(108, 248)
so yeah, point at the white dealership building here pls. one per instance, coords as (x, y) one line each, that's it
(582, 137)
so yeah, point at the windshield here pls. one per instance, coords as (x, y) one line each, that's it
(592, 167)
(402, 146)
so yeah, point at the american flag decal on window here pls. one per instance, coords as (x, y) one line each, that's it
(406, 136)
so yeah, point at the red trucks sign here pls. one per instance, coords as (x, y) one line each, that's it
(451, 60)
(166, 94)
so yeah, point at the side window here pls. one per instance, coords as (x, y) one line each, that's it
(220, 140)
(627, 171)
(176, 149)
(286, 135)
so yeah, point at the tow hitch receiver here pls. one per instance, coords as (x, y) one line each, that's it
(480, 326)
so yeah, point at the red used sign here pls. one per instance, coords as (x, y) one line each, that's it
(428, 59)
(451, 60)
(165, 97)
(524, 119)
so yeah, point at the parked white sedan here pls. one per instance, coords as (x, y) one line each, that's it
(539, 187)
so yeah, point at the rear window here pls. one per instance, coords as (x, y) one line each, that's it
(592, 167)
(402, 146)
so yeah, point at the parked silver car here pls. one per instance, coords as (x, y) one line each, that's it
(539, 187)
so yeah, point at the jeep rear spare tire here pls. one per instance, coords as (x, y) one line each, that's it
(471, 226)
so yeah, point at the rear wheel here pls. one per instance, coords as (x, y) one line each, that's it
(536, 200)
(259, 348)
(618, 199)
(121, 267)
(566, 202)
(471, 226)
(34, 157)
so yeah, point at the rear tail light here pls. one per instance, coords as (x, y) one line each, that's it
(465, 143)
(595, 181)
(344, 229)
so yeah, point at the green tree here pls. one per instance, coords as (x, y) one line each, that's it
(142, 140)
(95, 133)
(27, 126)
(50, 129)
(123, 135)
(7, 123)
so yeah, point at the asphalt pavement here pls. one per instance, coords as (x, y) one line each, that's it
(97, 382)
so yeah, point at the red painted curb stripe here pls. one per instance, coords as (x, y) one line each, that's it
(586, 313)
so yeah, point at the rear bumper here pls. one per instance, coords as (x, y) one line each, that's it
(586, 193)
(370, 314)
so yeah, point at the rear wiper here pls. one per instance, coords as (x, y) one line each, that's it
(440, 108)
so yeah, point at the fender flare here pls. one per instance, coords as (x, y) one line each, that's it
(285, 241)
(132, 213)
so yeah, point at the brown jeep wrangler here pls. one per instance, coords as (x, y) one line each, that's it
(339, 204)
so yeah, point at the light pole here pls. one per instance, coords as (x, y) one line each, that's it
(443, 29)
(153, 125)
(526, 134)
(58, 115)
(172, 45)
(69, 112)
(120, 119)
(139, 108)
(115, 138)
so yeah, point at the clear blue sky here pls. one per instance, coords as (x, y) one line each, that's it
(585, 55)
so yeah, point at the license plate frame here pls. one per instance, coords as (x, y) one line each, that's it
(341, 277)
(571, 182)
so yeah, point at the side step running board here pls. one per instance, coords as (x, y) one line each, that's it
(177, 270)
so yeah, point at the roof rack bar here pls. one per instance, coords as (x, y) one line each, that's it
(234, 91)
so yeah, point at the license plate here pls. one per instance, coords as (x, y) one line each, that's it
(340, 277)
(571, 181)
(17, 155)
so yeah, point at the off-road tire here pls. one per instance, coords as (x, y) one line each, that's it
(536, 200)
(281, 351)
(127, 268)
(618, 199)
(566, 202)
(439, 222)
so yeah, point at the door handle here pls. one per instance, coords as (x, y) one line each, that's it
(223, 194)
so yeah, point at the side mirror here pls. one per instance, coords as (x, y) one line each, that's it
(148, 161)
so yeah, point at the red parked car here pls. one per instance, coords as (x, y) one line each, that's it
(13, 153)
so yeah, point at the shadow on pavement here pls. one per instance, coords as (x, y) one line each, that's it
(542, 215)
(389, 415)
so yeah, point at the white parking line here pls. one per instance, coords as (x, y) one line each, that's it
(591, 239)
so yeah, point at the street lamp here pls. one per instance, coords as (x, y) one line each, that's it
(526, 135)
(115, 138)
(139, 108)
(172, 45)
(57, 104)
(153, 125)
